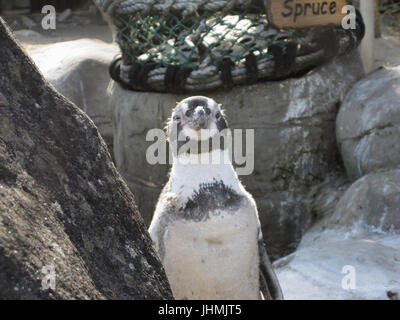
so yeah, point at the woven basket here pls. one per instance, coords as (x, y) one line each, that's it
(190, 46)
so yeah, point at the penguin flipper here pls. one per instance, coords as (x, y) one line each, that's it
(269, 284)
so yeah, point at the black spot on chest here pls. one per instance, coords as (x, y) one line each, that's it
(209, 199)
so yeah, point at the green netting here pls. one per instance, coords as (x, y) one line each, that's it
(171, 40)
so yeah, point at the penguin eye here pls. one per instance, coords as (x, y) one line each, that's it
(218, 115)
(187, 113)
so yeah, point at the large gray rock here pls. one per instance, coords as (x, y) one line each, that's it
(320, 264)
(64, 209)
(368, 124)
(79, 70)
(295, 146)
(364, 233)
(372, 202)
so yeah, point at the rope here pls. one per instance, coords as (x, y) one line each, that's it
(165, 7)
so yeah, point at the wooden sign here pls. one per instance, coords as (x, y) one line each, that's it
(304, 13)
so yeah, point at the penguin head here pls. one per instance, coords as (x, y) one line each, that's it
(196, 118)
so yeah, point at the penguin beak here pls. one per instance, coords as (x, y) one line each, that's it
(200, 119)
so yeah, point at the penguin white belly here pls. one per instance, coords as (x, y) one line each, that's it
(214, 259)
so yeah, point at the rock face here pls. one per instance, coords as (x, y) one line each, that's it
(373, 201)
(368, 124)
(295, 145)
(79, 70)
(317, 269)
(64, 209)
(363, 233)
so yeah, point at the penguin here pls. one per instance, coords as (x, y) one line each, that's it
(205, 226)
